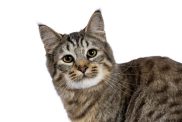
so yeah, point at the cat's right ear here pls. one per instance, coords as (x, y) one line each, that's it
(50, 38)
(96, 23)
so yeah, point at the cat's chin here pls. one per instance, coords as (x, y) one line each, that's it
(86, 77)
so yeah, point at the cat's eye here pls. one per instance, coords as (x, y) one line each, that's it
(91, 53)
(68, 59)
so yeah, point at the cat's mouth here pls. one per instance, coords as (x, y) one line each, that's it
(86, 80)
(86, 77)
(78, 76)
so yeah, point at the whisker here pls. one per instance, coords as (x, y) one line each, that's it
(115, 78)
(109, 84)
(119, 84)
(114, 87)
(123, 74)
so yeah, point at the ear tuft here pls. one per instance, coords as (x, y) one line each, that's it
(98, 10)
(40, 25)
(49, 37)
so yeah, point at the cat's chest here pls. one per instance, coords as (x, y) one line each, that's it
(95, 107)
(83, 108)
(90, 116)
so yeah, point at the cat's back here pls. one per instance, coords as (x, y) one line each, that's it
(159, 93)
(155, 68)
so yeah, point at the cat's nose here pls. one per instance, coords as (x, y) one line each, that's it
(82, 68)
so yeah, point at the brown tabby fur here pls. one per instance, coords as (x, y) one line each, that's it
(142, 90)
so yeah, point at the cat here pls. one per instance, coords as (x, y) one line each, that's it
(94, 88)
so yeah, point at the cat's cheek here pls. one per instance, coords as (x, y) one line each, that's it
(107, 64)
(58, 76)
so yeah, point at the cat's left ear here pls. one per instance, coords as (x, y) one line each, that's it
(96, 23)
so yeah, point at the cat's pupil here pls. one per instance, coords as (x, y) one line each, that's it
(68, 59)
(91, 53)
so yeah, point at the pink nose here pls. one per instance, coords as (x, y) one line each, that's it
(82, 68)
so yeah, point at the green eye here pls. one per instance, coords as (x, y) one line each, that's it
(91, 53)
(68, 58)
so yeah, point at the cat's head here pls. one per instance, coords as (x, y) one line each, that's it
(83, 59)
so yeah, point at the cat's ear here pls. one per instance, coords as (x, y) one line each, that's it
(49, 37)
(96, 23)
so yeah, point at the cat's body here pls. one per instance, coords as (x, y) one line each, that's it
(94, 88)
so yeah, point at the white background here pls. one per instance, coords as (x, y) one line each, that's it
(135, 28)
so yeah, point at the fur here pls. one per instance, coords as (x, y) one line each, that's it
(94, 88)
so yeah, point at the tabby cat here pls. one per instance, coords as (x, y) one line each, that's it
(93, 88)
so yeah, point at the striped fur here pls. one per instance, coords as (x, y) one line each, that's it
(96, 89)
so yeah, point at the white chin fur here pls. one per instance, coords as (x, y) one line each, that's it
(86, 83)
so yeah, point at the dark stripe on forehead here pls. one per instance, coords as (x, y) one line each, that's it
(69, 40)
(87, 43)
(81, 38)
(75, 36)
(78, 37)
(68, 47)
(81, 42)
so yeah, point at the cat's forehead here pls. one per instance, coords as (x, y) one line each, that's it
(75, 36)
(74, 43)
(76, 40)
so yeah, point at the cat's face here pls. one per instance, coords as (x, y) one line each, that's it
(83, 59)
